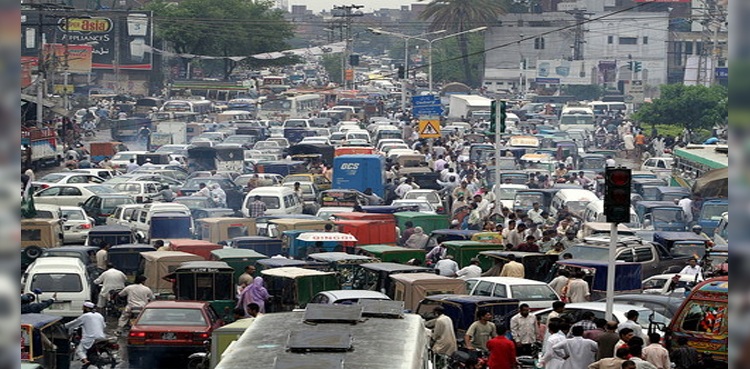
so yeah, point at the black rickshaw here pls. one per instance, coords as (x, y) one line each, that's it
(127, 258)
(463, 309)
(537, 266)
(325, 152)
(264, 245)
(45, 341)
(211, 281)
(272, 263)
(111, 234)
(376, 276)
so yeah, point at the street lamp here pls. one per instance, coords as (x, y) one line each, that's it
(429, 73)
(406, 38)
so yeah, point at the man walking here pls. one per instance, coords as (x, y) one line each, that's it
(502, 351)
(524, 329)
(578, 352)
(612, 362)
(447, 267)
(257, 207)
(480, 331)
(684, 356)
(633, 324)
(655, 353)
(549, 360)
(513, 268)
(443, 336)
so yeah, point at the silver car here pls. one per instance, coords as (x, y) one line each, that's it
(76, 224)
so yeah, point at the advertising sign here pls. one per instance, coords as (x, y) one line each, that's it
(78, 57)
(120, 36)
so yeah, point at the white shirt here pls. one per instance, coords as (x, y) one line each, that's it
(549, 359)
(447, 267)
(92, 325)
(611, 162)
(131, 167)
(523, 328)
(101, 259)
(138, 295)
(471, 271)
(111, 279)
(687, 206)
(402, 189)
(579, 351)
(690, 270)
(637, 329)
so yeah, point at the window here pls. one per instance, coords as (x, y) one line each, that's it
(704, 317)
(689, 47)
(610, 39)
(539, 43)
(645, 40)
(500, 291)
(654, 284)
(628, 41)
(541, 292)
(142, 216)
(626, 256)
(77, 179)
(70, 191)
(63, 282)
(483, 289)
(643, 254)
(54, 191)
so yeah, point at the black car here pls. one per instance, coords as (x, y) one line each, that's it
(234, 192)
(663, 304)
(101, 206)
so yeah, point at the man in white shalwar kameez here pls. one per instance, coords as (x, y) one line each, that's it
(557, 332)
(578, 352)
(93, 329)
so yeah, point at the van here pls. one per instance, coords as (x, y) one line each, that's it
(278, 200)
(141, 219)
(575, 199)
(703, 320)
(594, 212)
(62, 275)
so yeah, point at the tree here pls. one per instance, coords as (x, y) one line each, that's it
(692, 107)
(462, 15)
(222, 28)
(332, 64)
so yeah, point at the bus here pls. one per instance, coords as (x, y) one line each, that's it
(693, 161)
(277, 84)
(603, 108)
(242, 104)
(577, 117)
(300, 106)
(188, 106)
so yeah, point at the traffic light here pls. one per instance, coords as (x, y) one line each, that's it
(630, 65)
(493, 115)
(354, 60)
(497, 115)
(617, 195)
(401, 72)
(503, 116)
(637, 66)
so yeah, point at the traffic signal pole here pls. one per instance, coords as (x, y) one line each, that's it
(611, 264)
(496, 123)
(617, 210)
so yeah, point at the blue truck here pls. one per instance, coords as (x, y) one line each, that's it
(359, 172)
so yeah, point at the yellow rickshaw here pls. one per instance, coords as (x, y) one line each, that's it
(37, 235)
(159, 264)
(45, 341)
(223, 229)
(222, 339)
(411, 288)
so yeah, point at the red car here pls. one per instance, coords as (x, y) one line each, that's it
(170, 329)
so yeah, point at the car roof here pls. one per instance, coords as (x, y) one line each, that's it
(508, 280)
(361, 294)
(60, 263)
(163, 304)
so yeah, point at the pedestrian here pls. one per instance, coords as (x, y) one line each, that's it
(110, 280)
(684, 356)
(558, 308)
(203, 191)
(447, 267)
(528, 246)
(535, 213)
(513, 268)
(636, 353)
(560, 281)
(557, 248)
(102, 257)
(418, 239)
(626, 334)
(253, 310)
(594, 334)
(628, 364)
(437, 253)
(257, 208)
(632, 323)
(473, 270)
(655, 353)
(549, 360)
(523, 328)
(686, 203)
(138, 296)
(256, 293)
(247, 277)
(577, 288)
(607, 341)
(407, 232)
(480, 331)
(587, 321)
(132, 166)
(693, 269)
(611, 362)
(443, 337)
(578, 352)
(159, 245)
(218, 195)
(165, 193)
(502, 350)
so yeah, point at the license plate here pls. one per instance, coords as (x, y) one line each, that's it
(57, 306)
(169, 336)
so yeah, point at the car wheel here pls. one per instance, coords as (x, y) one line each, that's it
(33, 252)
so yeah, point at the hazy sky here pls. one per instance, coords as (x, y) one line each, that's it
(318, 5)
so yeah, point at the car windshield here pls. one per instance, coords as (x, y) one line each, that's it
(109, 205)
(646, 316)
(194, 182)
(532, 292)
(100, 189)
(667, 215)
(52, 178)
(272, 202)
(423, 205)
(124, 156)
(74, 214)
(431, 197)
(238, 139)
(588, 253)
(44, 214)
(577, 207)
(508, 193)
(175, 317)
(714, 212)
(57, 282)
(193, 202)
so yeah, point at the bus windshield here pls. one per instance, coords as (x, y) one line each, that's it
(576, 119)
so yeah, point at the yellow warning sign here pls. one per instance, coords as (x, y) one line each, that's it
(429, 128)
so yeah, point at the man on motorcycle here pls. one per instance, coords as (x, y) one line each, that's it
(144, 132)
(92, 324)
(111, 279)
(138, 296)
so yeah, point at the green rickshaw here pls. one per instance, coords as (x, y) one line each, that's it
(237, 259)
(464, 251)
(342, 264)
(428, 222)
(211, 281)
(292, 288)
(396, 254)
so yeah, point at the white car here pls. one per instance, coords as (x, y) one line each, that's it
(575, 312)
(423, 205)
(139, 191)
(122, 214)
(70, 194)
(347, 296)
(538, 295)
(386, 141)
(99, 172)
(66, 177)
(121, 159)
(508, 193)
(66, 277)
(315, 141)
(48, 211)
(328, 212)
(77, 224)
(430, 196)
(664, 284)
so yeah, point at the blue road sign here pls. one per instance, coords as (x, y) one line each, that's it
(425, 100)
(422, 111)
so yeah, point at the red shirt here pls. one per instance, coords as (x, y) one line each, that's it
(502, 353)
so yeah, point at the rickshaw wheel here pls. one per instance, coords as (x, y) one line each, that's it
(33, 252)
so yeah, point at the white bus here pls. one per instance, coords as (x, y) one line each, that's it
(299, 106)
(602, 108)
(188, 106)
(576, 117)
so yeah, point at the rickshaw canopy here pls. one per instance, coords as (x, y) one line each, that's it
(462, 309)
(628, 274)
(158, 264)
(326, 236)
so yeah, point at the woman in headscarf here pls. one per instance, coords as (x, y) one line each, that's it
(256, 293)
(218, 195)
(417, 240)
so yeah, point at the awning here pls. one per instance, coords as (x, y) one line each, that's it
(47, 103)
(713, 184)
(326, 236)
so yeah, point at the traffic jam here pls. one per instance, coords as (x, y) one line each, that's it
(313, 228)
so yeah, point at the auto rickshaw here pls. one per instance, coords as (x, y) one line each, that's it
(525, 199)
(238, 259)
(271, 263)
(342, 264)
(388, 209)
(45, 341)
(157, 264)
(292, 287)
(364, 216)
(261, 223)
(628, 276)
(464, 251)
(370, 232)
(111, 234)
(37, 235)
(223, 229)
(682, 243)
(396, 254)
(661, 216)
(128, 258)
(101, 150)
(299, 249)
(439, 236)
(276, 227)
(204, 213)
(411, 288)
(211, 281)
(537, 266)
(264, 245)
(595, 162)
(376, 276)
(428, 222)
(195, 247)
(463, 309)
(223, 337)
(310, 242)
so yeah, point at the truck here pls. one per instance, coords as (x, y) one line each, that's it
(168, 133)
(359, 172)
(40, 147)
(462, 106)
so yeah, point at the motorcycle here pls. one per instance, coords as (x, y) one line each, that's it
(530, 361)
(468, 359)
(103, 354)
(201, 360)
(115, 304)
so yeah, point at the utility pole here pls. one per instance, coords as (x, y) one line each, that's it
(580, 17)
(348, 12)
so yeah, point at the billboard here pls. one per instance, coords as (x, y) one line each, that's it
(567, 72)
(78, 56)
(122, 36)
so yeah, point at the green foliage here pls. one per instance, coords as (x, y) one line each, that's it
(332, 65)
(583, 92)
(690, 107)
(222, 28)
(448, 68)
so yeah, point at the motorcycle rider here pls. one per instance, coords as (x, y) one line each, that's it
(93, 326)
(144, 132)
(138, 296)
(111, 279)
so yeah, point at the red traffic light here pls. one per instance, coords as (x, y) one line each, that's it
(619, 177)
